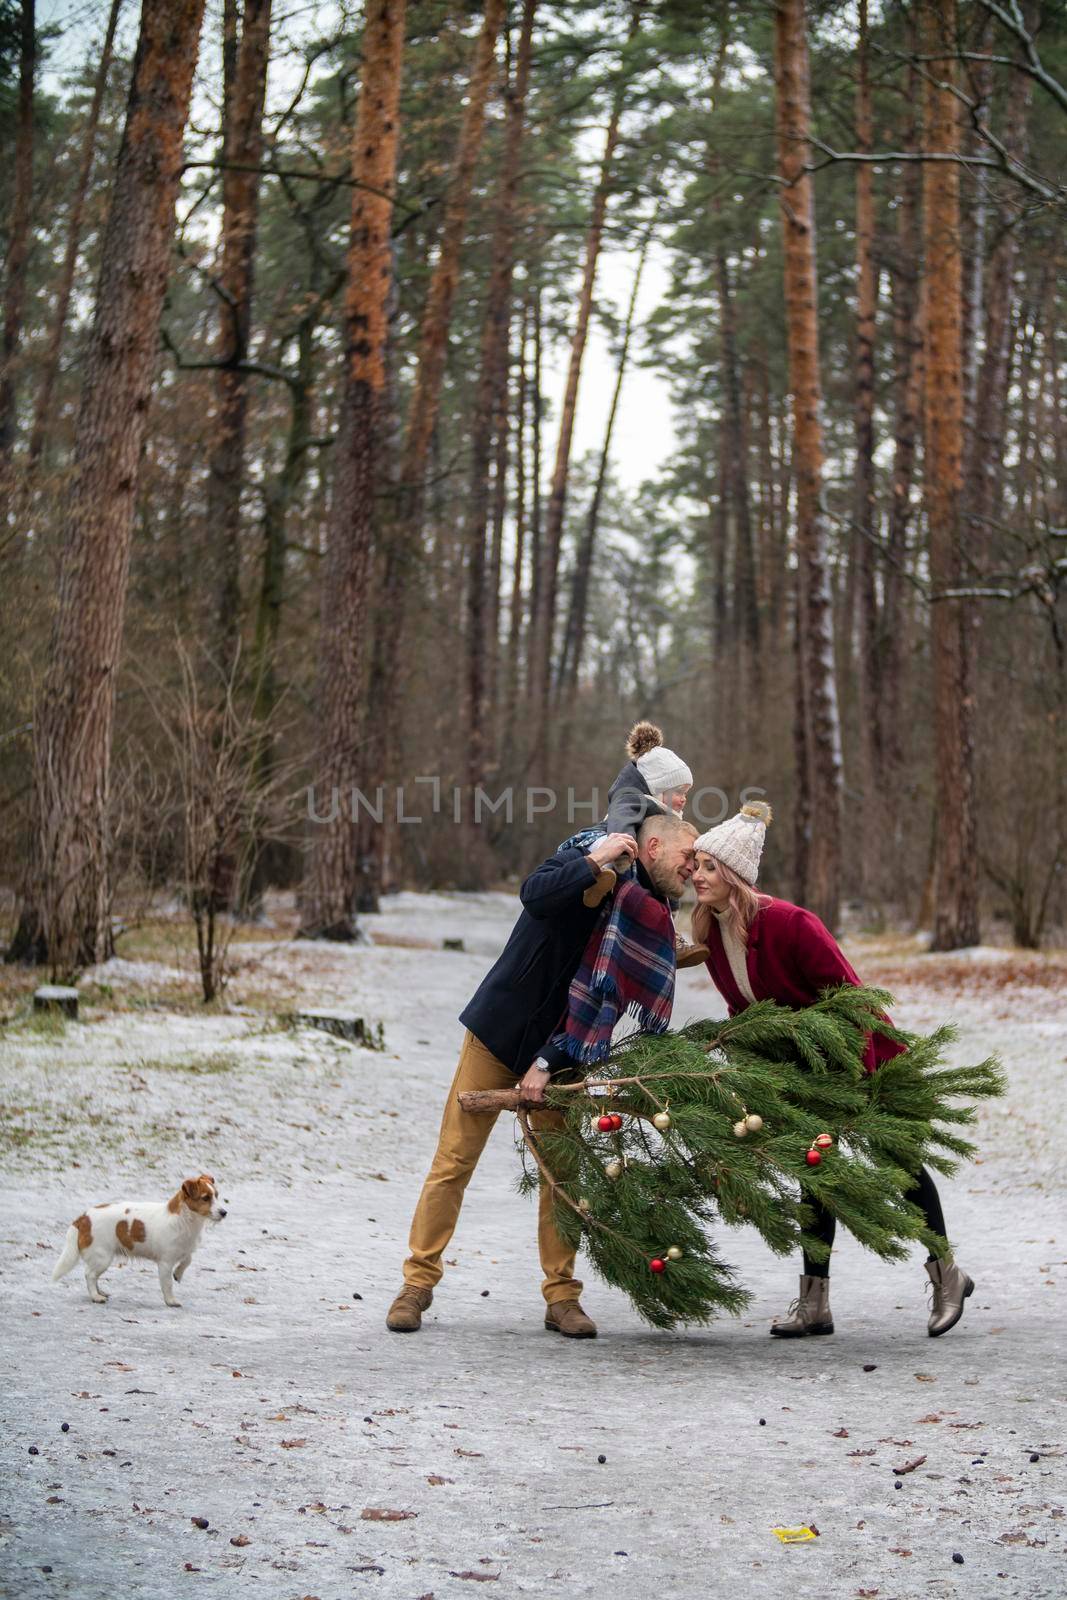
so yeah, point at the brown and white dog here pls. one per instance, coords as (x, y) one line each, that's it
(164, 1231)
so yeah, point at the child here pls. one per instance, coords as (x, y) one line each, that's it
(653, 781)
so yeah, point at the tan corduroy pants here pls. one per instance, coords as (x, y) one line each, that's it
(459, 1147)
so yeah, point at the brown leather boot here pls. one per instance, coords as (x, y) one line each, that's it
(690, 955)
(599, 891)
(809, 1313)
(568, 1318)
(951, 1288)
(405, 1313)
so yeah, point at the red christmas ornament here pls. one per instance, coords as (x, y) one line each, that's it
(656, 1265)
(605, 1124)
(814, 1158)
(616, 1122)
(824, 1141)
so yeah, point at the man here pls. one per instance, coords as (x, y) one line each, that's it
(518, 1006)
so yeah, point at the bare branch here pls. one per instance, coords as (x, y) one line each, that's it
(1010, 17)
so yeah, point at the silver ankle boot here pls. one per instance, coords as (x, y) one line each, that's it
(951, 1288)
(809, 1313)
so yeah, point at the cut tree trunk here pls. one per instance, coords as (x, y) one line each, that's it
(956, 862)
(242, 148)
(66, 916)
(42, 410)
(331, 882)
(801, 297)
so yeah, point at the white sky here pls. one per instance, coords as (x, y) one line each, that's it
(644, 433)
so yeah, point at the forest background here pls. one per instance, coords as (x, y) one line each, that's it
(299, 490)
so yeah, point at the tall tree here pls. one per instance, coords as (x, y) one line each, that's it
(815, 614)
(66, 914)
(863, 515)
(490, 403)
(330, 881)
(573, 643)
(956, 859)
(550, 541)
(245, 82)
(18, 250)
(42, 409)
(401, 537)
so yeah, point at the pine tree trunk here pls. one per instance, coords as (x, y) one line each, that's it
(985, 457)
(330, 887)
(544, 618)
(745, 600)
(18, 250)
(908, 315)
(242, 149)
(956, 873)
(578, 609)
(867, 676)
(510, 705)
(801, 296)
(400, 537)
(43, 406)
(490, 406)
(66, 916)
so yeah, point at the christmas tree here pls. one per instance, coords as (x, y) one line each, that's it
(739, 1123)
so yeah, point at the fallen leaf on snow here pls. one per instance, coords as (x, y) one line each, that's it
(240, 1540)
(292, 1444)
(933, 1416)
(925, 1377)
(385, 1514)
(909, 1466)
(460, 1452)
(435, 1480)
(863, 1452)
(895, 1552)
(477, 1577)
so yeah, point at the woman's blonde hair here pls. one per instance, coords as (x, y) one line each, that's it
(744, 903)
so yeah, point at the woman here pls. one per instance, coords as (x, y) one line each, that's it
(761, 948)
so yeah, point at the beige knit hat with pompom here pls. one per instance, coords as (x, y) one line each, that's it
(738, 842)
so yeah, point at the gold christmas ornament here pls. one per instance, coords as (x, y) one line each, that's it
(613, 1169)
(674, 1253)
(740, 1130)
(662, 1121)
(583, 1204)
(753, 1122)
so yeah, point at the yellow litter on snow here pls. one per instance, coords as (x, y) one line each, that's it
(794, 1535)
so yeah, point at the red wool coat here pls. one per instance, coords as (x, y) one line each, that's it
(791, 958)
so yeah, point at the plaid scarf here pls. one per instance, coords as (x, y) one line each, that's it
(628, 965)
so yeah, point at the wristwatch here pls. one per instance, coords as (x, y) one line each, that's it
(541, 1064)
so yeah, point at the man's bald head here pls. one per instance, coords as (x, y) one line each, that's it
(665, 850)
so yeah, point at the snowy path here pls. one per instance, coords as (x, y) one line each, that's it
(278, 1407)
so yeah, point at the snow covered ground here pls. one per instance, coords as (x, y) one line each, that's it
(276, 1406)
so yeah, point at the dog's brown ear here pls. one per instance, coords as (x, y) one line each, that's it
(191, 1188)
(205, 1177)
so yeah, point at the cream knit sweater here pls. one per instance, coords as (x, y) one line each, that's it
(735, 954)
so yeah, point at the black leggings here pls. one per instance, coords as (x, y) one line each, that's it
(923, 1193)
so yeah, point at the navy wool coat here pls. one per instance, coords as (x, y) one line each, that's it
(521, 1000)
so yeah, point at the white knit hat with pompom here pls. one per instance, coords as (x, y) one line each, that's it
(661, 769)
(738, 842)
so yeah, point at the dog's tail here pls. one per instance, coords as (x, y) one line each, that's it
(69, 1258)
